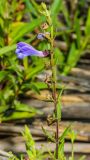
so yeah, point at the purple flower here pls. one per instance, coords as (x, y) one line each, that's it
(41, 36)
(24, 49)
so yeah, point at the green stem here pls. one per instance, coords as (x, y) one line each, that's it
(72, 151)
(54, 82)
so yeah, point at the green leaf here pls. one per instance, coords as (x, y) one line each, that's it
(17, 111)
(25, 63)
(30, 144)
(59, 106)
(59, 110)
(41, 85)
(82, 158)
(65, 13)
(35, 88)
(36, 6)
(25, 28)
(7, 49)
(59, 57)
(77, 30)
(25, 108)
(31, 7)
(3, 109)
(14, 115)
(12, 156)
(3, 75)
(72, 134)
(64, 134)
(48, 135)
(34, 71)
(72, 59)
(87, 28)
(55, 9)
(61, 151)
(72, 55)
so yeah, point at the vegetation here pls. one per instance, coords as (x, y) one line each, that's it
(23, 21)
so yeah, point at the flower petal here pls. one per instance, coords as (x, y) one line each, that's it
(40, 36)
(24, 49)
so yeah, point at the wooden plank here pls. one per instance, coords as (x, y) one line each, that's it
(17, 145)
(73, 106)
(76, 156)
(82, 129)
(79, 72)
(83, 148)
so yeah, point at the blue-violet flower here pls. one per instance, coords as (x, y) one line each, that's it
(41, 36)
(24, 49)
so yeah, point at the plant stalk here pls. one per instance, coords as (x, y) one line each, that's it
(54, 82)
(72, 151)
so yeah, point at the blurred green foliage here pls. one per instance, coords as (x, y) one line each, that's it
(34, 153)
(21, 21)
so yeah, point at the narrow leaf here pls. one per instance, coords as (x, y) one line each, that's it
(48, 135)
(25, 28)
(87, 28)
(7, 49)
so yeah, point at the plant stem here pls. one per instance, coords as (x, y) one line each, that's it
(72, 151)
(54, 82)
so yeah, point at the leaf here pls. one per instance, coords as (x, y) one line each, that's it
(30, 144)
(8, 93)
(64, 134)
(3, 75)
(59, 57)
(72, 134)
(17, 111)
(72, 59)
(25, 108)
(36, 6)
(30, 7)
(7, 49)
(61, 151)
(25, 63)
(14, 115)
(25, 28)
(35, 88)
(65, 13)
(48, 135)
(82, 158)
(55, 9)
(3, 109)
(59, 110)
(87, 27)
(77, 30)
(59, 106)
(41, 85)
(34, 71)
(12, 156)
